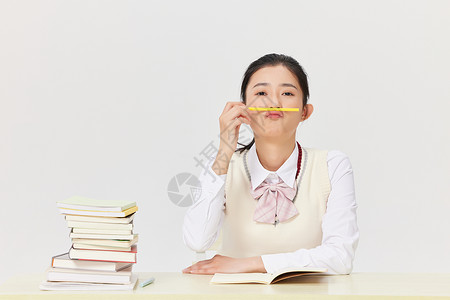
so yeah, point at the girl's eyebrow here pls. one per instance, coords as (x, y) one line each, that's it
(281, 84)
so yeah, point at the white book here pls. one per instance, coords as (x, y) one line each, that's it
(84, 203)
(102, 255)
(119, 277)
(96, 213)
(124, 220)
(265, 278)
(101, 231)
(98, 225)
(109, 243)
(63, 261)
(102, 236)
(79, 286)
(95, 247)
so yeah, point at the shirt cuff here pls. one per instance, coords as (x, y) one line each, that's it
(275, 262)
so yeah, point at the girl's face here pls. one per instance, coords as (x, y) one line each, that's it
(274, 86)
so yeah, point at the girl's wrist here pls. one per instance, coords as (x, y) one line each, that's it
(220, 165)
(255, 265)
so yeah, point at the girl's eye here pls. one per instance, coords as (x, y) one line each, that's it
(264, 93)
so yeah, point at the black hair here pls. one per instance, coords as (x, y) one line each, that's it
(274, 59)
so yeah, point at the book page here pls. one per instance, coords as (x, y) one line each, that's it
(265, 278)
(290, 275)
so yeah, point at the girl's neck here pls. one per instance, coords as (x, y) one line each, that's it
(273, 153)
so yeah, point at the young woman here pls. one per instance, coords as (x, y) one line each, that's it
(276, 202)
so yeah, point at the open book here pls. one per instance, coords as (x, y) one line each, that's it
(266, 278)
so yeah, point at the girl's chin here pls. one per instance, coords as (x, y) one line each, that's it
(274, 131)
(271, 133)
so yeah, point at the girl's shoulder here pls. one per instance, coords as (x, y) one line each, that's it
(330, 153)
(333, 157)
(338, 160)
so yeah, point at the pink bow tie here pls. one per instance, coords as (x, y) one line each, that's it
(274, 202)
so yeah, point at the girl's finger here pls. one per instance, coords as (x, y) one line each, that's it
(208, 271)
(201, 263)
(230, 105)
(242, 120)
(236, 112)
(246, 112)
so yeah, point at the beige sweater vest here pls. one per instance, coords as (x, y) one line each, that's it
(243, 237)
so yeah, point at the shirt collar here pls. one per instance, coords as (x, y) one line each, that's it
(258, 173)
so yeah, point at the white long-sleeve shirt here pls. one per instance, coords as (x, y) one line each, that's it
(339, 225)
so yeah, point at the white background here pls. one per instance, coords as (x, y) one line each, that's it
(111, 99)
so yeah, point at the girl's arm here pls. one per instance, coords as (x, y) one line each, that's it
(340, 231)
(204, 218)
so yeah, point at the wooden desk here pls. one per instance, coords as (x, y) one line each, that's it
(186, 286)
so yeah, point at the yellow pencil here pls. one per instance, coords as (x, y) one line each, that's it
(273, 108)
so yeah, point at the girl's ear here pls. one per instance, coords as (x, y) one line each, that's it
(307, 111)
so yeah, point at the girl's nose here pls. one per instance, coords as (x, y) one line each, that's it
(274, 102)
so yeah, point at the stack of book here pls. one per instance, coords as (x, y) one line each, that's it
(103, 248)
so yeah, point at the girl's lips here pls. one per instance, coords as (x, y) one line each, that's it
(274, 114)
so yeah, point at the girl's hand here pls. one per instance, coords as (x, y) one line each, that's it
(233, 115)
(231, 119)
(225, 264)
